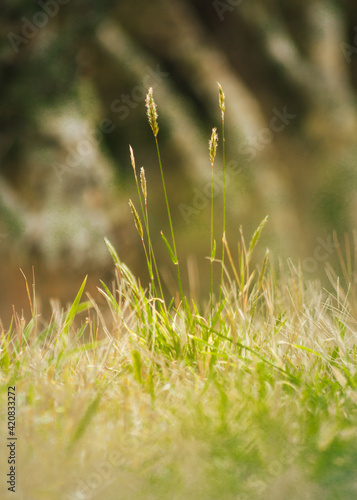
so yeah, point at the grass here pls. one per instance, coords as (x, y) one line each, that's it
(248, 396)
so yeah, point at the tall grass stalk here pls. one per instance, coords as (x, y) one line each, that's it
(153, 116)
(144, 210)
(222, 105)
(212, 146)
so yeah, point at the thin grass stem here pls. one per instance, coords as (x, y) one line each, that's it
(170, 219)
(224, 204)
(222, 105)
(212, 146)
(151, 256)
(211, 260)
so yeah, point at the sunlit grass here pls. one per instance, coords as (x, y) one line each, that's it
(246, 396)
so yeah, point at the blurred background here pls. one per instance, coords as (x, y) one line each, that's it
(74, 75)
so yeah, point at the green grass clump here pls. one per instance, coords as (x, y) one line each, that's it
(248, 396)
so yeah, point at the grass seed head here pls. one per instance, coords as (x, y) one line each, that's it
(151, 112)
(143, 183)
(132, 158)
(137, 220)
(213, 145)
(222, 100)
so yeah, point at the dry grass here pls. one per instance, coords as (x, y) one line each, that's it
(248, 396)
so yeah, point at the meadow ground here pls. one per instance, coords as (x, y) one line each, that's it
(249, 394)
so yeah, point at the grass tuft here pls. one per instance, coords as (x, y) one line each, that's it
(251, 397)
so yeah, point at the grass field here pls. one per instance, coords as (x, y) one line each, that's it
(249, 394)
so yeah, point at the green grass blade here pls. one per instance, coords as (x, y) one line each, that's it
(85, 421)
(109, 297)
(256, 236)
(112, 252)
(75, 309)
(172, 255)
(307, 349)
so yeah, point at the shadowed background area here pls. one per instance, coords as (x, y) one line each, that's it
(73, 81)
